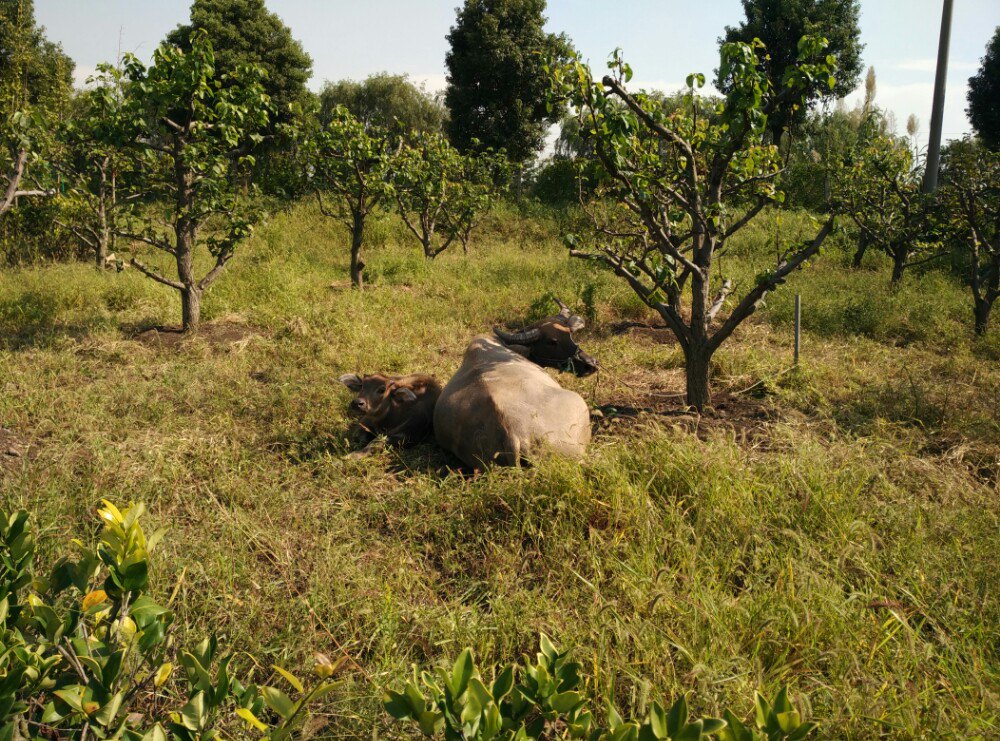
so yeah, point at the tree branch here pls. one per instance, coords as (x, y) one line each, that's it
(158, 277)
(768, 283)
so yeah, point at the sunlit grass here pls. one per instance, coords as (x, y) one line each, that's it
(836, 530)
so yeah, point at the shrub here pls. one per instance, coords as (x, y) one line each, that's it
(85, 650)
(550, 701)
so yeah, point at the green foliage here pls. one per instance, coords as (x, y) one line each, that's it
(34, 72)
(440, 193)
(86, 649)
(877, 184)
(984, 96)
(349, 170)
(780, 24)
(497, 86)
(551, 701)
(682, 181)
(244, 33)
(92, 171)
(385, 101)
(189, 129)
(35, 83)
(969, 202)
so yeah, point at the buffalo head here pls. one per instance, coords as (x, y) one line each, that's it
(371, 391)
(550, 343)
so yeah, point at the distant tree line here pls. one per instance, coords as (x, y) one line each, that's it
(174, 162)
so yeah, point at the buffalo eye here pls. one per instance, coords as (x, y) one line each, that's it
(553, 341)
(381, 391)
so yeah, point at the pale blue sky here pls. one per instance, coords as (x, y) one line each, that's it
(664, 40)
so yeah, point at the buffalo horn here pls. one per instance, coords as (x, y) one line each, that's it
(518, 338)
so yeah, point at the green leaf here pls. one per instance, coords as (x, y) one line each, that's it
(548, 648)
(677, 717)
(397, 705)
(564, 702)
(194, 714)
(109, 712)
(658, 720)
(789, 720)
(712, 725)
(461, 673)
(503, 683)
(429, 722)
(278, 701)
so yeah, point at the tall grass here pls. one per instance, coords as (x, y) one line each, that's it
(835, 530)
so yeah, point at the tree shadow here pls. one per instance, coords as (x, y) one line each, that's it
(31, 320)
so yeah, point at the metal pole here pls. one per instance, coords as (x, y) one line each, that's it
(798, 326)
(937, 114)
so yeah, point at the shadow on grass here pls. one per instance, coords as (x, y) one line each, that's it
(31, 321)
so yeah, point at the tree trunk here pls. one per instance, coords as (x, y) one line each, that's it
(859, 253)
(981, 311)
(696, 367)
(357, 238)
(103, 237)
(898, 266)
(191, 307)
(697, 353)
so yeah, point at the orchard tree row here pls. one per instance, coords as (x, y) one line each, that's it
(171, 158)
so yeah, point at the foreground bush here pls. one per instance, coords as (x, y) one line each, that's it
(86, 653)
(549, 701)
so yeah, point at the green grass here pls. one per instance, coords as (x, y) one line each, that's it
(834, 527)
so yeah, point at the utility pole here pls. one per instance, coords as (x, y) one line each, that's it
(937, 114)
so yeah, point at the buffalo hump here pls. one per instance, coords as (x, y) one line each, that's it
(501, 408)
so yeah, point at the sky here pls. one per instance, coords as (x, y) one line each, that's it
(663, 40)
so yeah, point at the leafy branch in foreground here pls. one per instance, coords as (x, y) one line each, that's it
(546, 699)
(86, 653)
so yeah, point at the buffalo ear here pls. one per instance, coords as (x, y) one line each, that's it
(575, 323)
(351, 381)
(403, 394)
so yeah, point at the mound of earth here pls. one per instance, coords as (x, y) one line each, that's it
(219, 335)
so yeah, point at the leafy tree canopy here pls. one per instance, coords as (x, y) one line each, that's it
(984, 96)
(497, 85)
(245, 32)
(382, 100)
(780, 24)
(33, 70)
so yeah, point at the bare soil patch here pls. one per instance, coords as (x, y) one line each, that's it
(656, 333)
(14, 448)
(220, 335)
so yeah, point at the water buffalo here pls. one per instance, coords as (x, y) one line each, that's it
(501, 407)
(550, 343)
(399, 407)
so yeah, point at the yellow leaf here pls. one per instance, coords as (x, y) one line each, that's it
(95, 598)
(163, 674)
(110, 512)
(291, 679)
(126, 628)
(250, 718)
(91, 707)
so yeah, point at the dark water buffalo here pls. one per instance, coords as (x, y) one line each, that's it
(399, 407)
(501, 407)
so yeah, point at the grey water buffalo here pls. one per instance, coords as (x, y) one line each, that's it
(501, 407)
(399, 407)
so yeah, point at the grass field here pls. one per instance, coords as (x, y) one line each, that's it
(834, 527)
